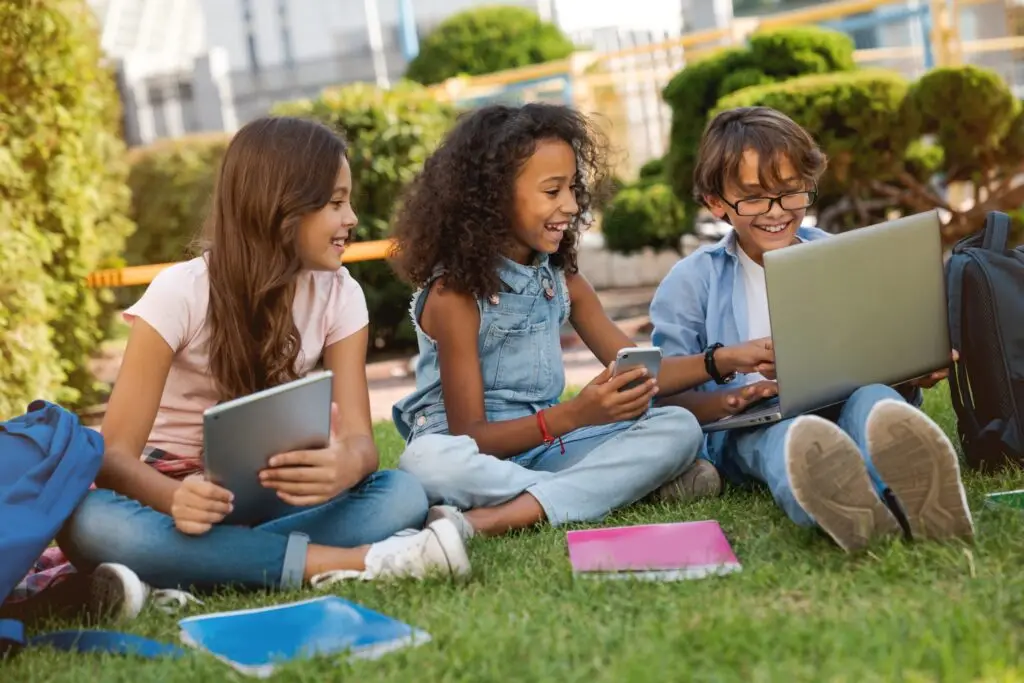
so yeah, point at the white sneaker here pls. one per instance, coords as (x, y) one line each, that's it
(116, 591)
(436, 550)
(453, 515)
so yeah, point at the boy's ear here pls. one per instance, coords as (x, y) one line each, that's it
(715, 205)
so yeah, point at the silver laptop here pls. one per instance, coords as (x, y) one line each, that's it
(864, 307)
(241, 435)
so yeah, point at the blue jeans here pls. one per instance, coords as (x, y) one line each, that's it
(760, 453)
(603, 468)
(108, 527)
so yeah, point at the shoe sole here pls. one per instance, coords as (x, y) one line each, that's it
(452, 546)
(111, 594)
(916, 460)
(831, 482)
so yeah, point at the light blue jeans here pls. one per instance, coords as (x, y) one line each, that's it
(108, 527)
(760, 453)
(603, 468)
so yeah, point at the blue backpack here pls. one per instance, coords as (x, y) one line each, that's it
(48, 461)
(985, 283)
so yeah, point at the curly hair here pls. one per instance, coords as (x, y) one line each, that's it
(458, 211)
(275, 171)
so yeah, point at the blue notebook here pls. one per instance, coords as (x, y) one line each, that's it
(253, 641)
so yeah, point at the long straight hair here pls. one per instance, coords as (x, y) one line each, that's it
(275, 171)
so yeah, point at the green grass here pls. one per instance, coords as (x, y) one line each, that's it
(801, 610)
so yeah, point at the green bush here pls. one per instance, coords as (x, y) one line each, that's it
(63, 200)
(172, 185)
(390, 133)
(973, 115)
(652, 171)
(771, 56)
(484, 40)
(644, 215)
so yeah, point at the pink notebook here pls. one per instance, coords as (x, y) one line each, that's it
(656, 552)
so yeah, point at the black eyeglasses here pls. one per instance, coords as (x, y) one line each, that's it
(791, 201)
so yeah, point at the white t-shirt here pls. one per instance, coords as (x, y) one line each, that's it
(328, 307)
(758, 323)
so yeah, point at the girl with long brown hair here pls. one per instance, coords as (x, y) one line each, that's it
(263, 303)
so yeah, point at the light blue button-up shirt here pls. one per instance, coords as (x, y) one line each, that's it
(703, 301)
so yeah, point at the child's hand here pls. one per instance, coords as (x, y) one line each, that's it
(312, 477)
(738, 400)
(198, 504)
(936, 377)
(756, 355)
(602, 402)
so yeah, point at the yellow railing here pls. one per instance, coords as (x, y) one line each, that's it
(143, 275)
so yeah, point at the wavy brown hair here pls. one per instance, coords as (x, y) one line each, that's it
(275, 171)
(458, 212)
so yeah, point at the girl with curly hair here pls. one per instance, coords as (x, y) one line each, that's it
(487, 233)
(265, 301)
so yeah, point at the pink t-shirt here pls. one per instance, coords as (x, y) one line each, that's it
(328, 307)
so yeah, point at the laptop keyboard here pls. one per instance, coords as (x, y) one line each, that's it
(762, 406)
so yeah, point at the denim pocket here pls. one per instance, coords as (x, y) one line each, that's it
(516, 358)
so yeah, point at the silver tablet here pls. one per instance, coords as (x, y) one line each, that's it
(240, 437)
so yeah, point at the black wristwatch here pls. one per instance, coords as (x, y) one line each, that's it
(712, 369)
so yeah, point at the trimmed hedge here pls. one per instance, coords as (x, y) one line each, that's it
(63, 200)
(644, 215)
(485, 40)
(390, 134)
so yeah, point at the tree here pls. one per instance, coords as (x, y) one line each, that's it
(484, 40)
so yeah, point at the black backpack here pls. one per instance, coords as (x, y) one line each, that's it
(986, 324)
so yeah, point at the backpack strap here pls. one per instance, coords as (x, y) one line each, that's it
(997, 231)
(12, 640)
(957, 380)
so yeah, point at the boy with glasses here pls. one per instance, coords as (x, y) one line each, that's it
(858, 471)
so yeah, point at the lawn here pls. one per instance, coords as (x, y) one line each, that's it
(800, 610)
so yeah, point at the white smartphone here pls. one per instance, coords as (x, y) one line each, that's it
(635, 356)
